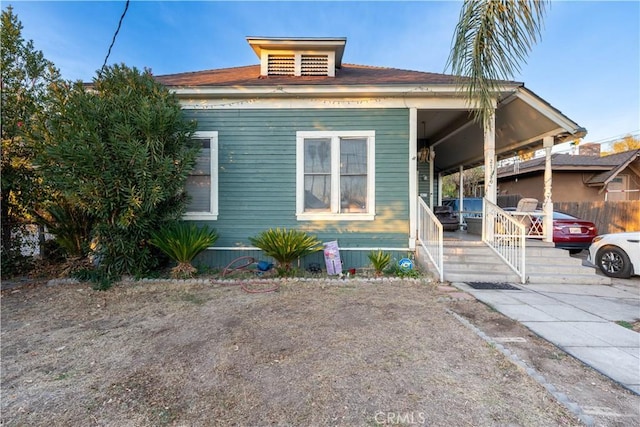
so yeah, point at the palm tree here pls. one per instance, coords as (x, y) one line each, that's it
(491, 39)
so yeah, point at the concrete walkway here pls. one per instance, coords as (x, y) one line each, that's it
(579, 319)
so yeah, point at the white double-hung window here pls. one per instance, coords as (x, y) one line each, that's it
(202, 182)
(335, 175)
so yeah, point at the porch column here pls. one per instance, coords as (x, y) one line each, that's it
(413, 177)
(547, 204)
(439, 189)
(432, 157)
(490, 186)
(460, 194)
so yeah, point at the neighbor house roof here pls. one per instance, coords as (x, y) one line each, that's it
(605, 168)
(624, 158)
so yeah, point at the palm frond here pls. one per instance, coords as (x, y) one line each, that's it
(182, 242)
(492, 39)
(70, 225)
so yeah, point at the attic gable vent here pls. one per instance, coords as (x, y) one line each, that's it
(314, 65)
(281, 65)
(299, 57)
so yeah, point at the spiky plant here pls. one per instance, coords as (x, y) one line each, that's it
(182, 242)
(71, 227)
(285, 246)
(380, 260)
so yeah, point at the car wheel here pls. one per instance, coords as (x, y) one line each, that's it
(575, 251)
(614, 262)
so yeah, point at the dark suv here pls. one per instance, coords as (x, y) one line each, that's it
(471, 206)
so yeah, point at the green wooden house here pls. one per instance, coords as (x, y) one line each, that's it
(302, 140)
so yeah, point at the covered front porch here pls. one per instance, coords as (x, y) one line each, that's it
(465, 257)
(449, 141)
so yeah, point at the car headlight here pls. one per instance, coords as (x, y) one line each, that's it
(596, 239)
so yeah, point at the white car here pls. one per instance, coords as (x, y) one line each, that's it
(616, 254)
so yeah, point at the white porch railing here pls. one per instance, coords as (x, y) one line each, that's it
(506, 236)
(430, 236)
(533, 223)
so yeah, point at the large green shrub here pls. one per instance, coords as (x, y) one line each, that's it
(25, 75)
(118, 151)
(182, 242)
(285, 246)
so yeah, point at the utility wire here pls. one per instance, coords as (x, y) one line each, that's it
(126, 7)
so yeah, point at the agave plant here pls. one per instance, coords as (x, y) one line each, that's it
(286, 246)
(182, 242)
(380, 260)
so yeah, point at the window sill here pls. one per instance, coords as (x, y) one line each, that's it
(335, 217)
(200, 217)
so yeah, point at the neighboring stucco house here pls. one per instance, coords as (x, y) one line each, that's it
(576, 178)
(302, 140)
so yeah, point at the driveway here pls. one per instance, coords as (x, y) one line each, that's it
(581, 320)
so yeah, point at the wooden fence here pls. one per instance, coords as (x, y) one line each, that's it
(609, 217)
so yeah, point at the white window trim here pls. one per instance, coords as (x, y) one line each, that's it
(212, 214)
(335, 176)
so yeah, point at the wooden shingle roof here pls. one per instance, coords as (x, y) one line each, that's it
(348, 74)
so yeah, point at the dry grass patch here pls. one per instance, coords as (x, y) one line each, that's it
(358, 353)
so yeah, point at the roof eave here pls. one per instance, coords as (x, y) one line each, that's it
(405, 90)
(572, 132)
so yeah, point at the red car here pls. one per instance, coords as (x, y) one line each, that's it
(569, 232)
(572, 233)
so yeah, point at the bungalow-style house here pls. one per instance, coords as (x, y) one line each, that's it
(582, 177)
(303, 140)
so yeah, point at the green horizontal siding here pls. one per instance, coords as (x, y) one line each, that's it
(257, 173)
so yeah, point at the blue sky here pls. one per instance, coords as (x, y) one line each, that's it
(587, 64)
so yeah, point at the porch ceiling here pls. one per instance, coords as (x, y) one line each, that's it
(522, 121)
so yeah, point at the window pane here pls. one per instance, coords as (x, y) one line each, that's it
(199, 188)
(353, 193)
(203, 163)
(317, 193)
(317, 155)
(353, 156)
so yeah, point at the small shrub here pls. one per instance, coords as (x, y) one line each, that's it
(285, 246)
(53, 252)
(100, 278)
(182, 242)
(15, 264)
(380, 261)
(396, 270)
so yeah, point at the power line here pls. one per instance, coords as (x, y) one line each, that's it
(126, 7)
(610, 139)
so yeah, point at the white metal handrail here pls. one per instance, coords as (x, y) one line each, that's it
(533, 223)
(430, 236)
(506, 236)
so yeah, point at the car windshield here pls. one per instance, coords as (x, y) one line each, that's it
(561, 215)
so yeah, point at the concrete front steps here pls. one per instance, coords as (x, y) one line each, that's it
(474, 261)
(547, 265)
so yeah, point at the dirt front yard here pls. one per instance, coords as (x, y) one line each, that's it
(314, 353)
